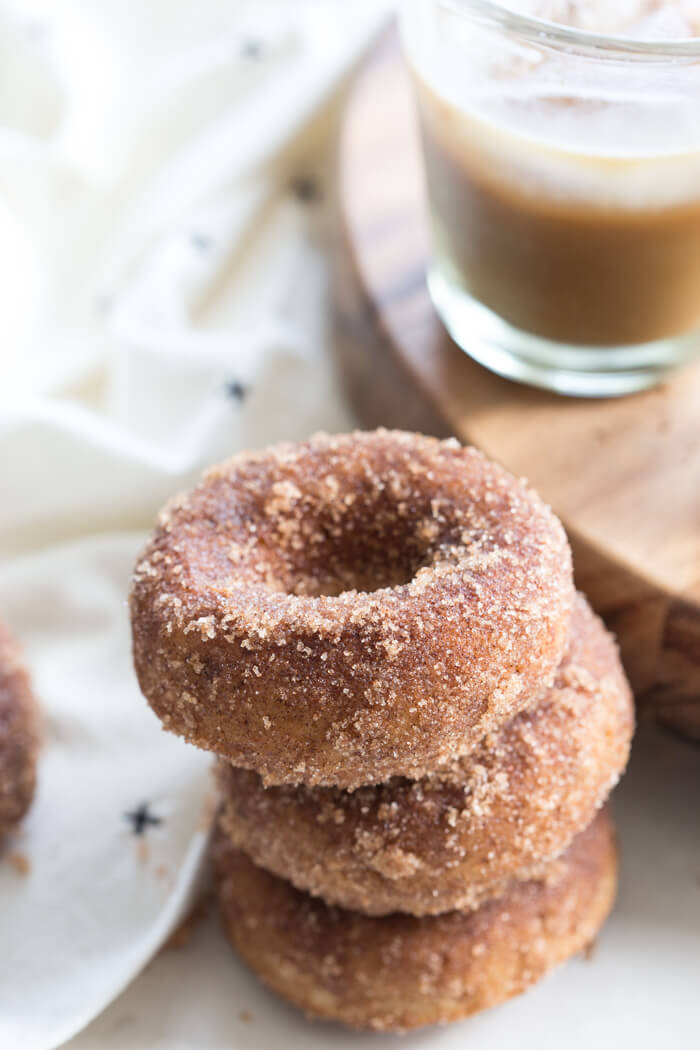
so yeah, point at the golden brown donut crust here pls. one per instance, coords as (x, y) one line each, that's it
(351, 608)
(457, 837)
(399, 972)
(19, 735)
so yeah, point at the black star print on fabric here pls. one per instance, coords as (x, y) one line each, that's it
(141, 818)
(201, 242)
(237, 390)
(307, 189)
(251, 48)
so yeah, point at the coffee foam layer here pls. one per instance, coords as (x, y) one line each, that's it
(612, 130)
(557, 168)
(636, 19)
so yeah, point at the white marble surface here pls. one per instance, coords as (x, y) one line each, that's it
(641, 985)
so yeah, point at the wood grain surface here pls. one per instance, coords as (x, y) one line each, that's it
(624, 475)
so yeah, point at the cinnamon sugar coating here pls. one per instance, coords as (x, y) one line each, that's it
(457, 837)
(19, 735)
(399, 972)
(351, 608)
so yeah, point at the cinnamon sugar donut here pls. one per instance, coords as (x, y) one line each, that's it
(351, 608)
(19, 735)
(399, 972)
(457, 837)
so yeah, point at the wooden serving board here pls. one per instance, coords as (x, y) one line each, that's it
(624, 475)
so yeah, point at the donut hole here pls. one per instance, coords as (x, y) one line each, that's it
(336, 576)
(371, 549)
(309, 545)
(328, 523)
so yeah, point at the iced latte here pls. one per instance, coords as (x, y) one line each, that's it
(563, 172)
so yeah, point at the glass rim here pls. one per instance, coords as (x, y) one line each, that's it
(539, 30)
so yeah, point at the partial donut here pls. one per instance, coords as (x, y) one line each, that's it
(400, 972)
(351, 608)
(19, 735)
(457, 837)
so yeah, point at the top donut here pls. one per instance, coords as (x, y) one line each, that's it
(351, 608)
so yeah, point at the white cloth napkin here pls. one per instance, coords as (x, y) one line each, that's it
(163, 189)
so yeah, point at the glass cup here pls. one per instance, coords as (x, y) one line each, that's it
(563, 175)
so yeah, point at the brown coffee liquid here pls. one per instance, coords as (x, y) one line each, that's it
(568, 269)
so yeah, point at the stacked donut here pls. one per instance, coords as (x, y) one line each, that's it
(417, 718)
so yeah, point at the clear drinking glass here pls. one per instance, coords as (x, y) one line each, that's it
(563, 174)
